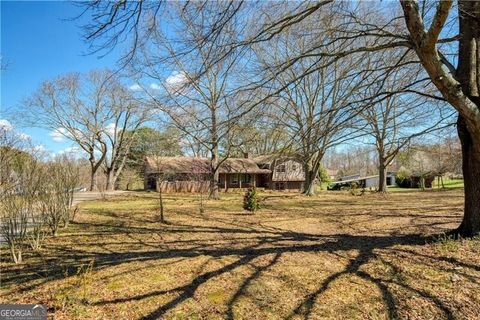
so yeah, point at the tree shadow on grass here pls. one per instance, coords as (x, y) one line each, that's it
(273, 246)
(268, 242)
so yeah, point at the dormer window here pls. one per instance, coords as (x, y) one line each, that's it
(281, 168)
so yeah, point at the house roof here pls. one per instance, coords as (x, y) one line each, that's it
(241, 165)
(359, 178)
(270, 158)
(332, 172)
(189, 165)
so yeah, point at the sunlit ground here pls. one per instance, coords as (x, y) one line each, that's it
(332, 256)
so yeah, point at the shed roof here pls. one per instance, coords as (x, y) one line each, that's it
(359, 179)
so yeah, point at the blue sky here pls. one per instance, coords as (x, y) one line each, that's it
(39, 43)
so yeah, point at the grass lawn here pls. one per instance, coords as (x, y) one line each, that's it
(447, 184)
(332, 256)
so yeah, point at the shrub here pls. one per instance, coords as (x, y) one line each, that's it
(402, 178)
(353, 188)
(250, 200)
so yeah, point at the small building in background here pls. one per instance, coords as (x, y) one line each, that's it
(362, 181)
(332, 174)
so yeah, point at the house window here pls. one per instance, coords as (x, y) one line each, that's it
(235, 179)
(294, 167)
(281, 168)
(246, 178)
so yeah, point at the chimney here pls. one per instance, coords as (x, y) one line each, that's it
(246, 155)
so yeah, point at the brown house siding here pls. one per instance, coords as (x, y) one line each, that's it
(286, 185)
(183, 186)
(174, 174)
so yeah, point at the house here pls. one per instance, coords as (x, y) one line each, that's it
(332, 173)
(286, 172)
(192, 174)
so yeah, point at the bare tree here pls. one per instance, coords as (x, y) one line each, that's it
(393, 116)
(56, 196)
(354, 158)
(198, 177)
(79, 108)
(315, 110)
(155, 152)
(460, 86)
(21, 181)
(69, 172)
(129, 178)
(12, 148)
(428, 33)
(197, 91)
(160, 177)
(126, 118)
(360, 27)
(446, 157)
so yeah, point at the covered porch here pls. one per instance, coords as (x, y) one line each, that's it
(242, 180)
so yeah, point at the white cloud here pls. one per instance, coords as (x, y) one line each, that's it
(70, 150)
(155, 86)
(135, 87)
(24, 136)
(176, 81)
(5, 125)
(39, 148)
(58, 135)
(110, 129)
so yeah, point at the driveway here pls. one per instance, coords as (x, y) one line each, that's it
(85, 196)
(92, 195)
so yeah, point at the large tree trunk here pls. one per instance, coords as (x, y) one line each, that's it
(94, 165)
(214, 176)
(110, 180)
(92, 176)
(215, 194)
(382, 175)
(470, 225)
(16, 254)
(311, 174)
(160, 201)
(461, 90)
(118, 171)
(309, 186)
(468, 72)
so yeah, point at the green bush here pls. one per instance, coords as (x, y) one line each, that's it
(323, 176)
(250, 200)
(402, 178)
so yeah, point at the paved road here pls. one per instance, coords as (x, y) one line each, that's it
(85, 196)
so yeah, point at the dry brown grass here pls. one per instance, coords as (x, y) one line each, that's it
(333, 256)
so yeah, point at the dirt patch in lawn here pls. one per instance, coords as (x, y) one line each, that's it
(332, 256)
